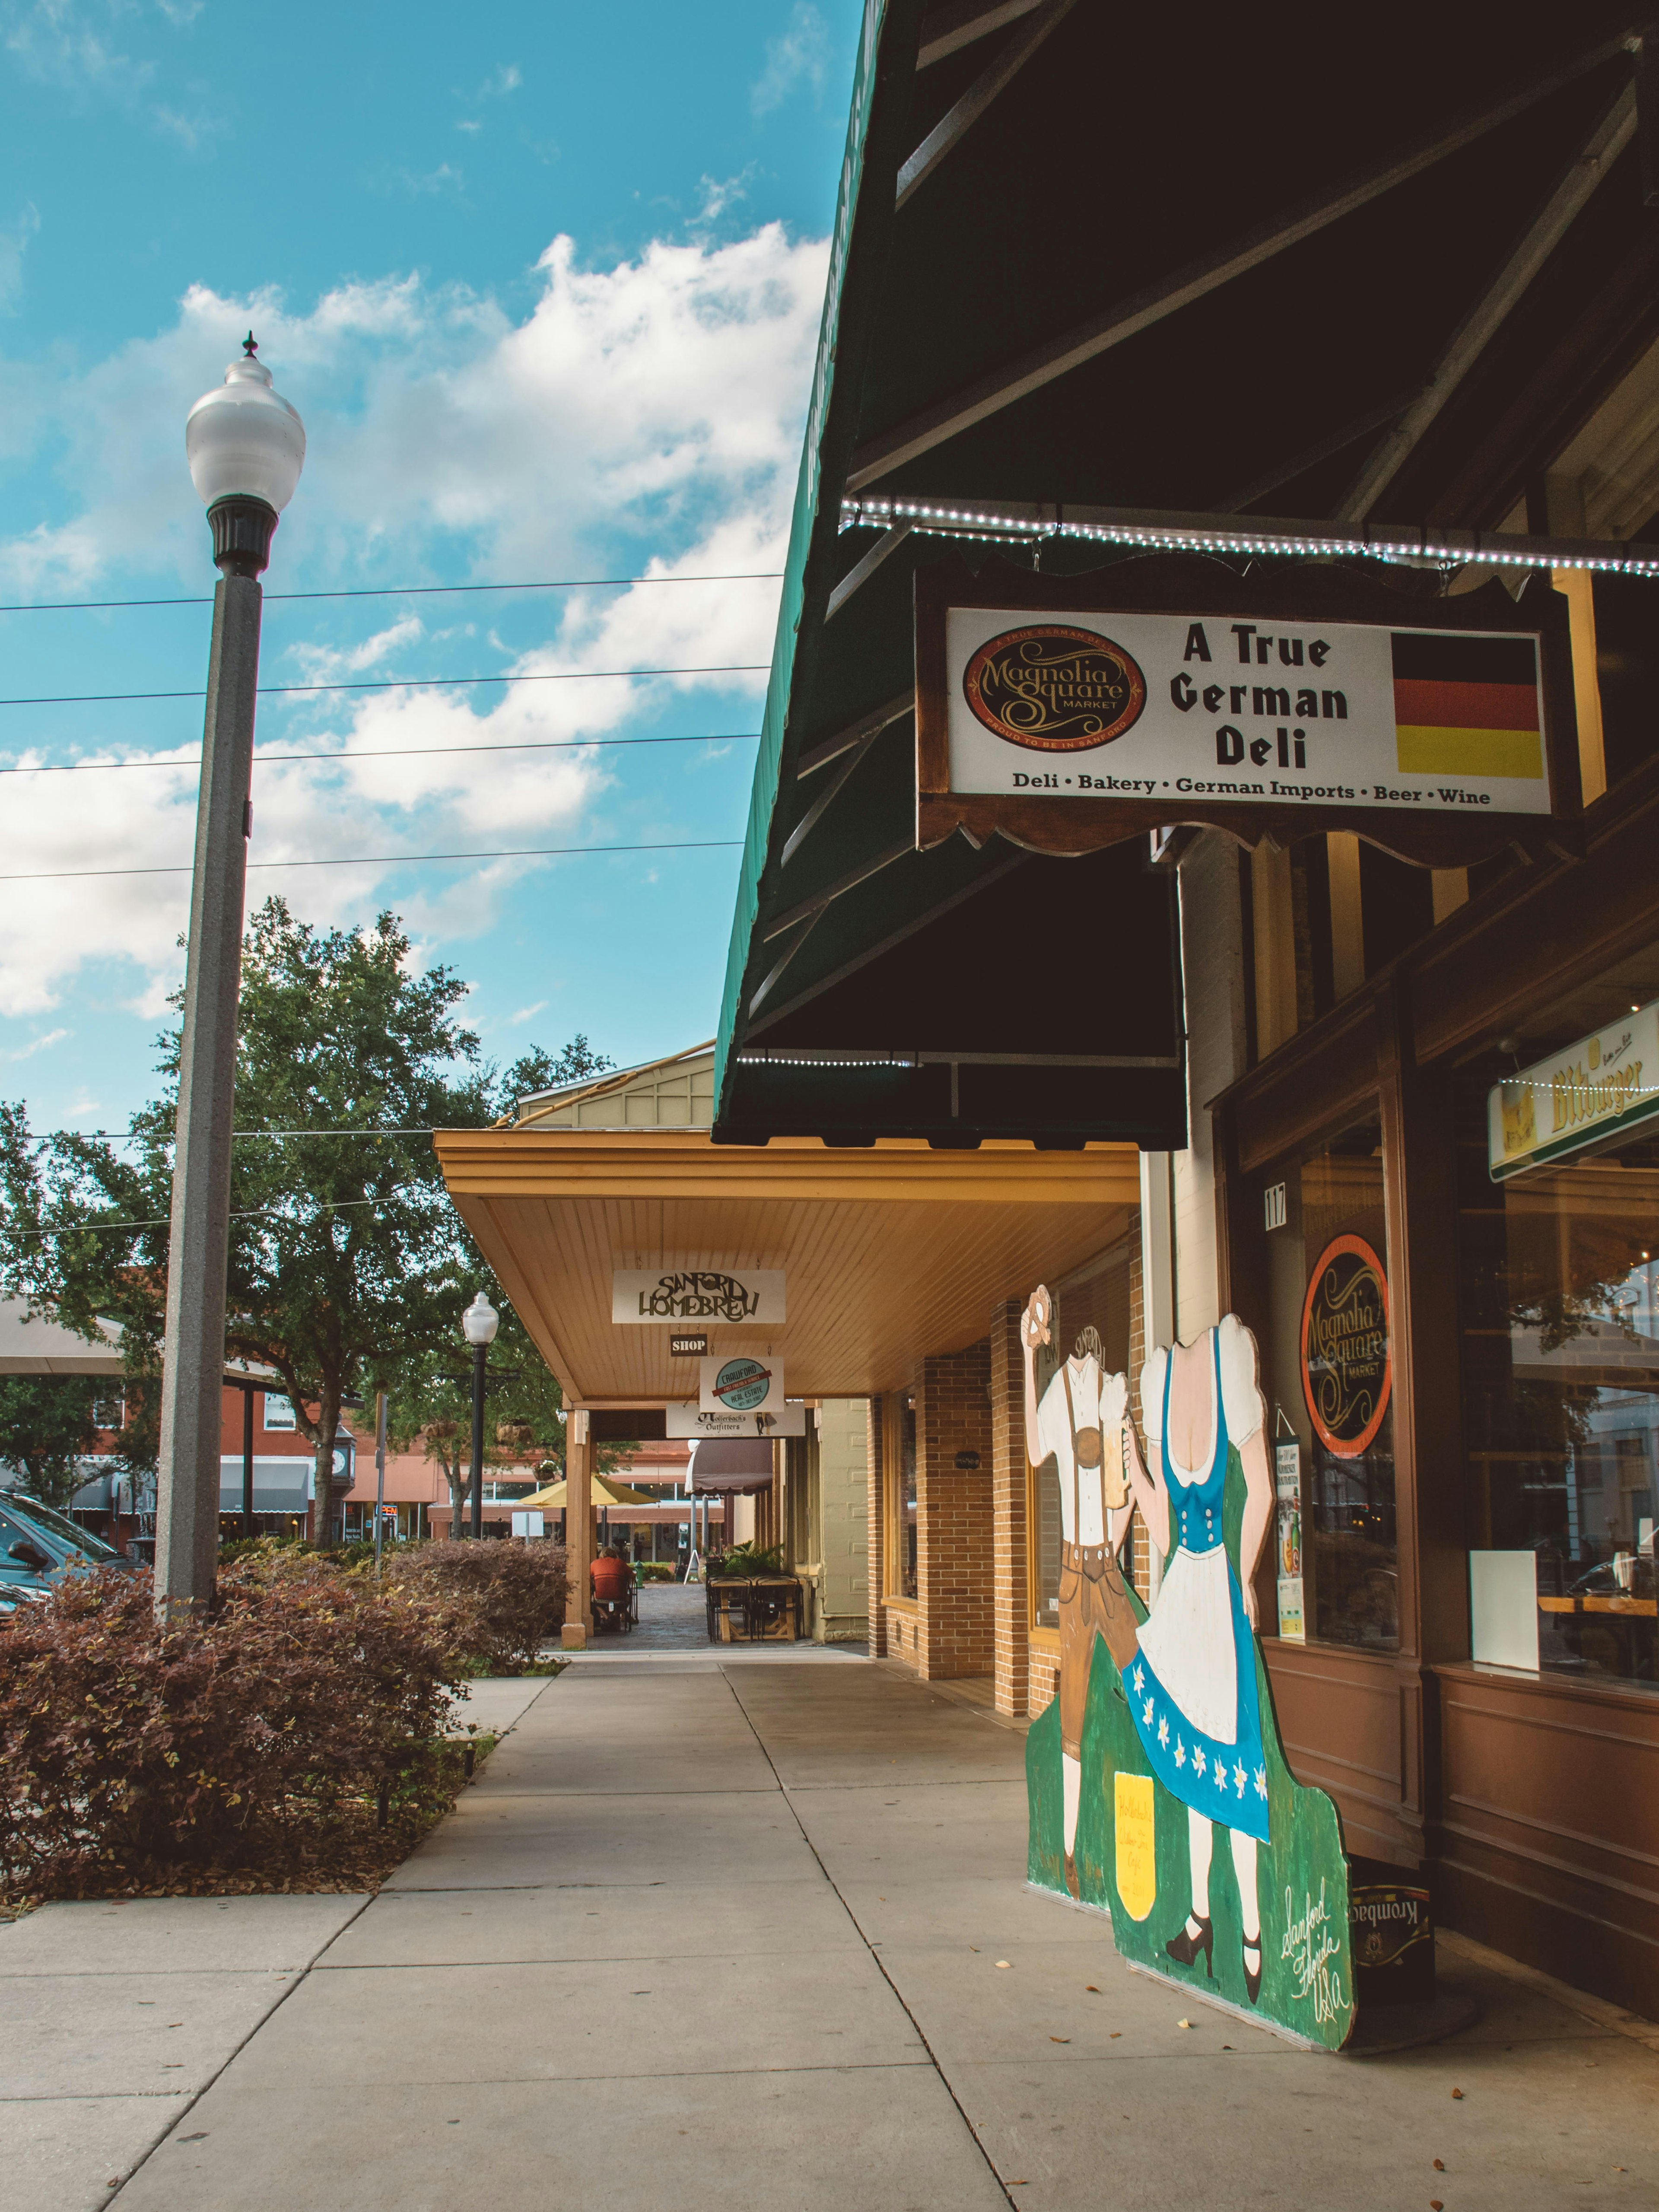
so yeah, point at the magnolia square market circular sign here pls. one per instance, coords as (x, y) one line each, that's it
(1346, 1371)
(1053, 688)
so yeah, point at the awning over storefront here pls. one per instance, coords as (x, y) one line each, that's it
(1102, 259)
(887, 1254)
(738, 1465)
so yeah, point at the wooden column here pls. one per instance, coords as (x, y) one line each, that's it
(578, 1527)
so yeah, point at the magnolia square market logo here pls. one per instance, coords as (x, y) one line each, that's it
(1054, 689)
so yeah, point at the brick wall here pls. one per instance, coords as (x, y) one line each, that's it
(1009, 1568)
(954, 1520)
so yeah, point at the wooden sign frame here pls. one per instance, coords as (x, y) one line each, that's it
(1191, 584)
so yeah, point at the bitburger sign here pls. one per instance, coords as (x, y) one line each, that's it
(1440, 728)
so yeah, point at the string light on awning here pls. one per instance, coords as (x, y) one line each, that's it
(981, 522)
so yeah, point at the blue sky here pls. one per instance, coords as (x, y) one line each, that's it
(544, 281)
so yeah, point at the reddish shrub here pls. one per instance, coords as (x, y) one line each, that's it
(253, 1740)
(507, 1599)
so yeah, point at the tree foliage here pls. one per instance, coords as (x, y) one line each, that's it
(46, 1428)
(546, 1071)
(349, 1269)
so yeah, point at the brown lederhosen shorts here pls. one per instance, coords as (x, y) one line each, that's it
(1091, 1596)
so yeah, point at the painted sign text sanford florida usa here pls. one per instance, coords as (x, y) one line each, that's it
(1155, 706)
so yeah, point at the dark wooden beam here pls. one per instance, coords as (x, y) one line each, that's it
(861, 574)
(988, 395)
(947, 30)
(867, 725)
(815, 813)
(830, 892)
(1310, 456)
(1612, 130)
(953, 127)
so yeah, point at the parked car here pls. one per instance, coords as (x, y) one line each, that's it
(38, 1546)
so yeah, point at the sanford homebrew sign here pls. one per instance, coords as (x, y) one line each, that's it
(696, 1294)
(1319, 701)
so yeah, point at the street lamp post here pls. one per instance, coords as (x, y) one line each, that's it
(246, 448)
(479, 1323)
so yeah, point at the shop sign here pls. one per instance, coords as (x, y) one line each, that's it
(701, 1294)
(1287, 1482)
(1346, 1368)
(1593, 1089)
(1088, 708)
(690, 1420)
(736, 1382)
(682, 1347)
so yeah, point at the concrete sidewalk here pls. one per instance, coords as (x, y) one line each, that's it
(757, 1933)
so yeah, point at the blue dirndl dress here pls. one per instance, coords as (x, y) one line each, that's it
(1191, 1683)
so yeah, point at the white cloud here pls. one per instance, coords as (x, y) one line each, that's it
(526, 1013)
(38, 1044)
(639, 419)
(14, 244)
(798, 56)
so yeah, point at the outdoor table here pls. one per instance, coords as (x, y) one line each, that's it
(743, 1609)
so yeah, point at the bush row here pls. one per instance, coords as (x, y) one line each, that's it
(255, 1745)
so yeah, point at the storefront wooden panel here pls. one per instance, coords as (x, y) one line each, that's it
(1326, 1695)
(1548, 1842)
(1312, 1083)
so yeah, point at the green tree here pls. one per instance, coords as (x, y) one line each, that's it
(429, 1402)
(347, 1260)
(546, 1071)
(46, 1428)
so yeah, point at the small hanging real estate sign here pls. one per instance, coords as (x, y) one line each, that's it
(1069, 711)
(1596, 1088)
(753, 1295)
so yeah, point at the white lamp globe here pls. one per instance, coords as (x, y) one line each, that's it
(243, 440)
(480, 1322)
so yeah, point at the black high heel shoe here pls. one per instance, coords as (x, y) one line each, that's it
(1253, 1980)
(1184, 1948)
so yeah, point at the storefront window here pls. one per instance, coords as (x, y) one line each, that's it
(1560, 1357)
(901, 1509)
(1327, 1377)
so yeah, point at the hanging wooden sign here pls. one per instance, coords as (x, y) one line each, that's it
(1070, 713)
(1155, 1780)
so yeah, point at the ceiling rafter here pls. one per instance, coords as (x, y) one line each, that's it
(1613, 129)
(989, 395)
(954, 126)
(946, 31)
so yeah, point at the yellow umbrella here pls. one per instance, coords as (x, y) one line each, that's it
(605, 1490)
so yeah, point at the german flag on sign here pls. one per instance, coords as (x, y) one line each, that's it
(1466, 705)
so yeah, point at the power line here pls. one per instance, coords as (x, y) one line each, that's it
(162, 1220)
(401, 752)
(402, 684)
(403, 592)
(393, 859)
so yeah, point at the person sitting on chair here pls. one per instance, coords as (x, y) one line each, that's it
(611, 1578)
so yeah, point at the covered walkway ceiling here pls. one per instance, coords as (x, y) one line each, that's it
(1092, 258)
(889, 1253)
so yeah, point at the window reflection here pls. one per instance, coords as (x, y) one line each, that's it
(1561, 1389)
(1333, 1231)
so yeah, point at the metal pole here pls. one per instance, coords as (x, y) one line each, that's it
(247, 1459)
(192, 1375)
(480, 1354)
(379, 1473)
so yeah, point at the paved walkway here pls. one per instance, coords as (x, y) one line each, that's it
(747, 1933)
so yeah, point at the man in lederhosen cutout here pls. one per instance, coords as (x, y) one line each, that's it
(1078, 1424)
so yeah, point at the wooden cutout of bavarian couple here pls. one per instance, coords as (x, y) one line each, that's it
(1163, 1730)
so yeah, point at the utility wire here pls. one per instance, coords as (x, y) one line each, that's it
(402, 752)
(391, 859)
(162, 1220)
(402, 591)
(402, 683)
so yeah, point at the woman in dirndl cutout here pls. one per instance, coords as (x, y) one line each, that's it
(1191, 1682)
